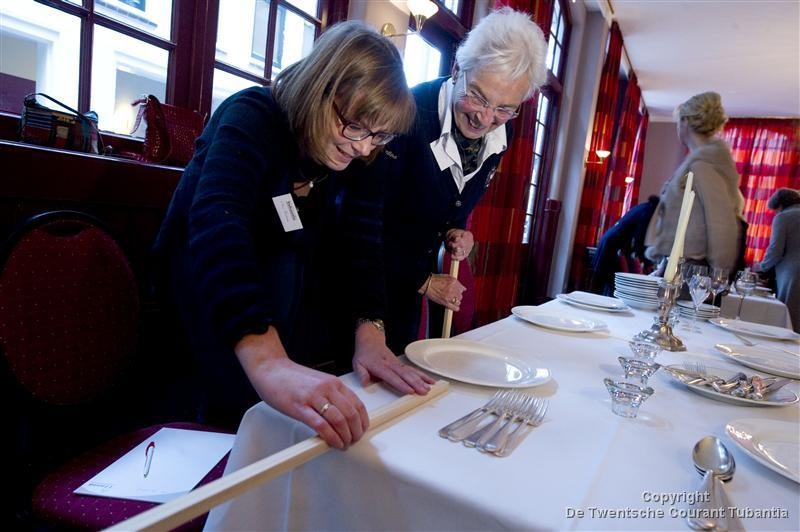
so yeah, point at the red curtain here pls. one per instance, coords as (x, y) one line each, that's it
(498, 219)
(766, 154)
(612, 207)
(594, 182)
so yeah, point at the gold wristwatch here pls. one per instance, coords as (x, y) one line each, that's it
(378, 324)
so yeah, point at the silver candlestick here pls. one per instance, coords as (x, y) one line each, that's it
(661, 331)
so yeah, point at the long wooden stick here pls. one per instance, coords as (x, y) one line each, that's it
(178, 511)
(448, 313)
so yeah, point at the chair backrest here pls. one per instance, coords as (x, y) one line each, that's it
(69, 308)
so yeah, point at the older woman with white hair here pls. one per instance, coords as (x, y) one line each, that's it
(783, 252)
(716, 225)
(438, 173)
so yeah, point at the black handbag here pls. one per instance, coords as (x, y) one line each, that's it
(71, 130)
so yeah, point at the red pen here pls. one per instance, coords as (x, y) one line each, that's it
(148, 457)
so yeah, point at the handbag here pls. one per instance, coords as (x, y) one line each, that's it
(71, 130)
(171, 131)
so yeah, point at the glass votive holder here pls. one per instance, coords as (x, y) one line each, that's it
(638, 368)
(644, 348)
(626, 398)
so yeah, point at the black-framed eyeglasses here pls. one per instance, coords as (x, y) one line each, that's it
(477, 101)
(354, 131)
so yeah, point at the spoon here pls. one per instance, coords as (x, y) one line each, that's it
(714, 460)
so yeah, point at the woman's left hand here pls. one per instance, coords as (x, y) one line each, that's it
(373, 360)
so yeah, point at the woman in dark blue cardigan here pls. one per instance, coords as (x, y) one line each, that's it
(250, 227)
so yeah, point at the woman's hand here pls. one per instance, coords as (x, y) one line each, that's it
(459, 243)
(317, 399)
(373, 360)
(446, 291)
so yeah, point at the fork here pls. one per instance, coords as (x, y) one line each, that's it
(535, 418)
(475, 416)
(486, 432)
(524, 410)
(468, 426)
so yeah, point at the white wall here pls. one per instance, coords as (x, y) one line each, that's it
(584, 64)
(662, 154)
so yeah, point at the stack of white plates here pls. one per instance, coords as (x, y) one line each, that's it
(637, 290)
(705, 312)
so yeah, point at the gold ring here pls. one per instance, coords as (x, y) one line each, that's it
(324, 409)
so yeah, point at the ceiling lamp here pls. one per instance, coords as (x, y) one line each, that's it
(421, 10)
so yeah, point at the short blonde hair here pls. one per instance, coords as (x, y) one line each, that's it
(703, 112)
(356, 68)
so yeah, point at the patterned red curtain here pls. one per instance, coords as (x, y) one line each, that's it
(766, 154)
(612, 206)
(594, 182)
(498, 219)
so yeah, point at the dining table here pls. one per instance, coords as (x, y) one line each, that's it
(583, 467)
(760, 307)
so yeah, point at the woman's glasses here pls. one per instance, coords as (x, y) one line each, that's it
(354, 131)
(476, 101)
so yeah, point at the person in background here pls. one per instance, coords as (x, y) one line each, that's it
(715, 230)
(250, 216)
(783, 253)
(627, 235)
(440, 170)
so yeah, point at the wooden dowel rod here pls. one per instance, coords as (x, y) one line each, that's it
(178, 511)
(448, 313)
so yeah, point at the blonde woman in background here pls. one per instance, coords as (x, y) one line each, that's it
(716, 226)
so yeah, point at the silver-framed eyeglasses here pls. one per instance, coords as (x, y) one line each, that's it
(354, 131)
(476, 100)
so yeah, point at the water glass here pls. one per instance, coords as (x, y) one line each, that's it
(719, 282)
(699, 287)
(745, 284)
(644, 349)
(626, 398)
(638, 368)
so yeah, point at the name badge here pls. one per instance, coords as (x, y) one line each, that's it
(287, 212)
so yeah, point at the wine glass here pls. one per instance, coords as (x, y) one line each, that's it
(699, 288)
(745, 284)
(719, 282)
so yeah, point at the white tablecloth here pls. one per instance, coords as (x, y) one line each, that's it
(582, 458)
(759, 309)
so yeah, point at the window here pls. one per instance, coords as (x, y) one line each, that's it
(546, 120)
(104, 54)
(241, 52)
(421, 60)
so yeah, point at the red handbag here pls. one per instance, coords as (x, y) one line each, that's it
(171, 131)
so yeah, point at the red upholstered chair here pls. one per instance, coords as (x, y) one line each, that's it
(69, 313)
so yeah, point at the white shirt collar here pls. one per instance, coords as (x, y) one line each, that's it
(444, 148)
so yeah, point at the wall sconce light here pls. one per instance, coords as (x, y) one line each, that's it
(421, 10)
(601, 155)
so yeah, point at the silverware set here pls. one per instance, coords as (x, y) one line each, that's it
(498, 426)
(738, 385)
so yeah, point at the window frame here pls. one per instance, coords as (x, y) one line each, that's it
(531, 288)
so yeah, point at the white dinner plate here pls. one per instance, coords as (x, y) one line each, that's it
(595, 300)
(559, 323)
(781, 397)
(765, 358)
(756, 329)
(476, 363)
(776, 444)
(564, 299)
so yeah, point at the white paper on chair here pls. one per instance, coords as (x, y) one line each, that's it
(180, 459)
